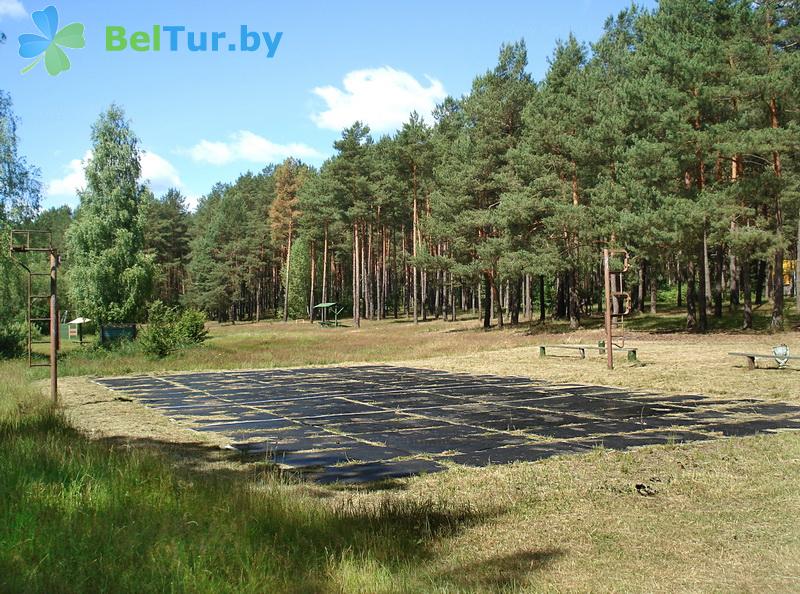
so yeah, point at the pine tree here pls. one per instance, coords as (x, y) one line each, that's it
(351, 172)
(166, 239)
(284, 215)
(494, 111)
(414, 154)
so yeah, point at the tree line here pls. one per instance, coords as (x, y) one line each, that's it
(674, 136)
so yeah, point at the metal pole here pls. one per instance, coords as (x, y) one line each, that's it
(609, 343)
(28, 319)
(53, 327)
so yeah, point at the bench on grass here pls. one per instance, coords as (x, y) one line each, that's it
(582, 348)
(751, 358)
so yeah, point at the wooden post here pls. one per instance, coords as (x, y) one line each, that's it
(54, 326)
(609, 338)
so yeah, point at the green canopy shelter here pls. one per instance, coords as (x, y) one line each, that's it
(329, 308)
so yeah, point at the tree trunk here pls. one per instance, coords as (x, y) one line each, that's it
(574, 305)
(437, 297)
(364, 274)
(761, 274)
(414, 252)
(561, 300)
(394, 267)
(487, 302)
(496, 298)
(542, 306)
(797, 271)
(641, 287)
(258, 299)
(702, 326)
(288, 264)
(707, 291)
(777, 298)
(325, 271)
(691, 305)
(718, 266)
(514, 301)
(313, 278)
(747, 322)
(386, 287)
(491, 304)
(453, 298)
(366, 271)
(777, 292)
(423, 279)
(653, 293)
(528, 297)
(356, 278)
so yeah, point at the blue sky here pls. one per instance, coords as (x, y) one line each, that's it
(204, 117)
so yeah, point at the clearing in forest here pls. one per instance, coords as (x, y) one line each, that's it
(372, 422)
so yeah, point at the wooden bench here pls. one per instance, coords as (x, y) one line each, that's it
(751, 358)
(582, 348)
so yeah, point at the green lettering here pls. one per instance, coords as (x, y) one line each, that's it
(115, 39)
(156, 38)
(140, 41)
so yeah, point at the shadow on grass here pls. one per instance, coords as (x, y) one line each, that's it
(215, 463)
(117, 516)
(506, 571)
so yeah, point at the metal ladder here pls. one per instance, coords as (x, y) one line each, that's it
(36, 243)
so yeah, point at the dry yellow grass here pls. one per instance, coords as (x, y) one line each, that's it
(722, 517)
(671, 363)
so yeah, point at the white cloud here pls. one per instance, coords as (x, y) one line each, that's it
(381, 97)
(248, 146)
(12, 9)
(216, 153)
(157, 172)
(72, 182)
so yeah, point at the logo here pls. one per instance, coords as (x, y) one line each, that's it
(177, 37)
(49, 44)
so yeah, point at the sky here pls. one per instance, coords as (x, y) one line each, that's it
(208, 116)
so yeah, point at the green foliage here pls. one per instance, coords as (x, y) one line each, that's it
(110, 275)
(231, 245)
(166, 239)
(298, 279)
(13, 338)
(12, 288)
(167, 330)
(191, 327)
(57, 221)
(20, 188)
(160, 336)
(673, 135)
(20, 191)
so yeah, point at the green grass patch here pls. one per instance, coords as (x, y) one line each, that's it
(78, 516)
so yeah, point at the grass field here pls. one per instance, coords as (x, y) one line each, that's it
(105, 514)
